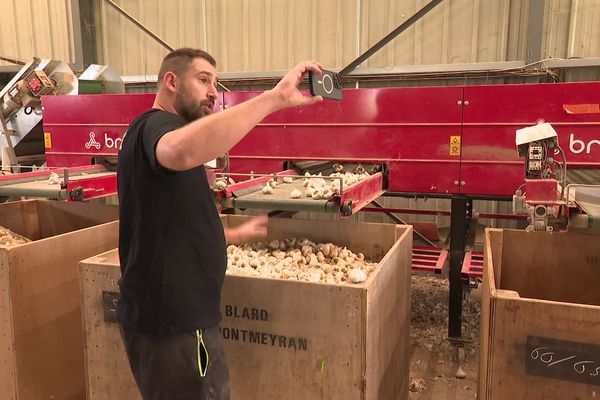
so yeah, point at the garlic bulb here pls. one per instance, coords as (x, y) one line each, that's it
(53, 179)
(288, 179)
(320, 257)
(296, 194)
(267, 189)
(220, 184)
(357, 275)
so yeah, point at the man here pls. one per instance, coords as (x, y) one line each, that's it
(172, 245)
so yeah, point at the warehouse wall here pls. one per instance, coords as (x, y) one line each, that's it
(41, 28)
(267, 35)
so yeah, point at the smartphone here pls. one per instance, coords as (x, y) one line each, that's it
(328, 84)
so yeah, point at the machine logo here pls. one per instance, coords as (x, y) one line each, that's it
(109, 143)
(92, 142)
(579, 146)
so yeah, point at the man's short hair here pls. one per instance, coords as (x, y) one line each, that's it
(179, 61)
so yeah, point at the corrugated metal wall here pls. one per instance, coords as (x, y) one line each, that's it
(266, 35)
(243, 35)
(462, 31)
(572, 28)
(40, 28)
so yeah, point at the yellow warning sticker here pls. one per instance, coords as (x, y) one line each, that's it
(47, 140)
(455, 145)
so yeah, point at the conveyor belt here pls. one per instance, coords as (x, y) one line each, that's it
(37, 184)
(584, 176)
(357, 196)
(588, 198)
(281, 199)
(34, 189)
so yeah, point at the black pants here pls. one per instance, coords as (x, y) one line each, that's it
(188, 366)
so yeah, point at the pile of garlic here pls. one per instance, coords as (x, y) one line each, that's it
(8, 238)
(318, 187)
(272, 184)
(301, 260)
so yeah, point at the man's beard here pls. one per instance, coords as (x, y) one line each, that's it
(191, 109)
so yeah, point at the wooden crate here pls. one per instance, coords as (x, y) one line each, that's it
(285, 339)
(41, 344)
(540, 333)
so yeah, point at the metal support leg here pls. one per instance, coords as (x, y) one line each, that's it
(9, 157)
(460, 213)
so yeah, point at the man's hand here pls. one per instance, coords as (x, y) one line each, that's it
(287, 89)
(255, 228)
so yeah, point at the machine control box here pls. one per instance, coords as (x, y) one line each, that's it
(39, 84)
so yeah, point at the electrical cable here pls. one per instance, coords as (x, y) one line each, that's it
(564, 171)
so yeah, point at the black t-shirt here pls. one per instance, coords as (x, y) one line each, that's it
(171, 243)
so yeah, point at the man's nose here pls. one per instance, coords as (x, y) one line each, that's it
(212, 92)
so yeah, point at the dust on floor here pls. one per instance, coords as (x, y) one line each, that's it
(434, 360)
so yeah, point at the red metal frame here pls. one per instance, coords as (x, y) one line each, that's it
(92, 187)
(439, 213)
(361, 194)
(492, 114)
(541, 191)
(229, 190)
(70, 122)
(431, 259)
(351, 199)
(472, 264)
(36, 174)
(411, 130)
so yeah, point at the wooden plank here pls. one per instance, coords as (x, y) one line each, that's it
(497, 246)
(323, 321)
(388, 321)
(47, 314)
(552, 266)
(485, 316)
(21, 217)
(8, 389)
(516, 319)
(56, 217)
(107, 371)
(492, 258)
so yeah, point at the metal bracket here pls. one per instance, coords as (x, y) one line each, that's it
(76, 194)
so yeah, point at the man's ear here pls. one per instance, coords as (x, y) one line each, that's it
(169, 81)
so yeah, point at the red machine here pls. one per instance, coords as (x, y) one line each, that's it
(434, 141)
